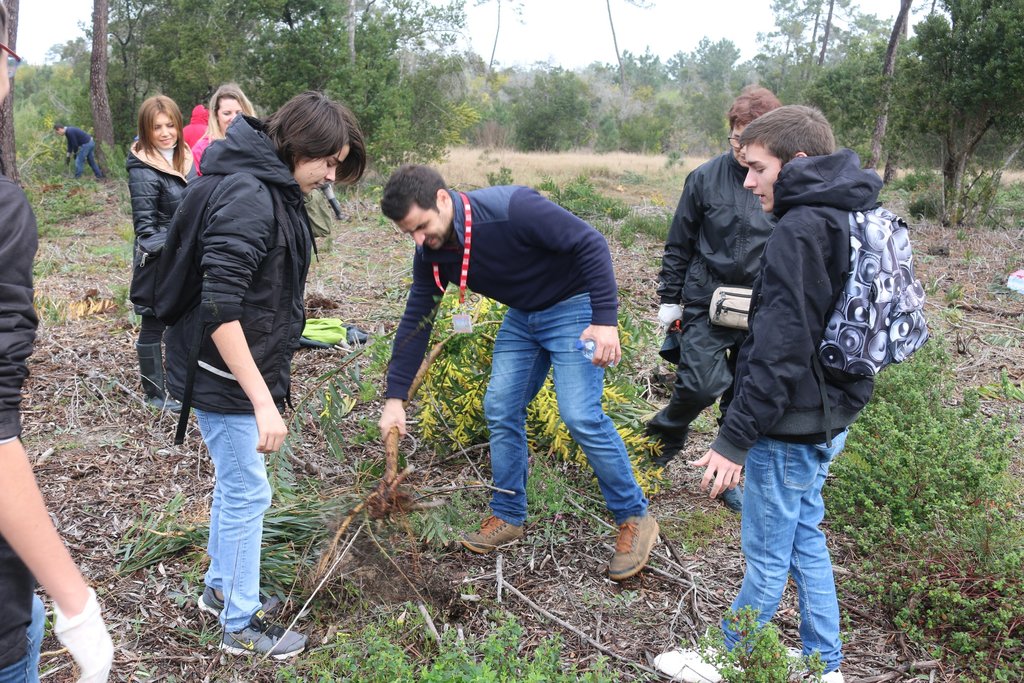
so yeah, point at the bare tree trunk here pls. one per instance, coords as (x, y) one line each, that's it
(494, 48)
(882, 122)
(615, 42)
(828, 31)
(102, 122)
(892, 167)
(352, 31)
(8, 159)
(954, 170)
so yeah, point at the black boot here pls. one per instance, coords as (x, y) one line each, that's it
(151, 366)
(669, 444)
(355, 336)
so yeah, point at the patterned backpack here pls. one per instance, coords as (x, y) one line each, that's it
(878, 317)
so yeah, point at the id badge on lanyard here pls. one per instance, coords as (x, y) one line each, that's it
(462, 321)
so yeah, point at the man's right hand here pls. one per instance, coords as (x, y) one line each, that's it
(668, 314)
(393, 415)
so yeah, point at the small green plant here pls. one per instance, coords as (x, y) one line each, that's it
(652, 225)
(502, 177)
(376, 654)
(582, 198)
(759, 656)
(954, 294)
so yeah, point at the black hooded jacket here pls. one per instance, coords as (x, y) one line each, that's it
(155, 189)
(804, 264)
(254, 270)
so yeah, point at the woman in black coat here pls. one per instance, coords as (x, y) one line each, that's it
(159, 167)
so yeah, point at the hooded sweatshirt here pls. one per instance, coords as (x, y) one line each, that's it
(196, 125)
(254, 269)
(803, 268)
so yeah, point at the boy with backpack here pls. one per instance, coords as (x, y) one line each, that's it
(775, 425)
(243, 224)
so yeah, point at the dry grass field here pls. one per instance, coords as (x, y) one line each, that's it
(634, 178)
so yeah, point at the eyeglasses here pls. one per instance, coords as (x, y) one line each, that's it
(13, 60)
(734, 141)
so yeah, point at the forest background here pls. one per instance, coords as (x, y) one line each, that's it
(926, 507)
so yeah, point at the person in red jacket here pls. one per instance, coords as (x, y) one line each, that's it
(196, 125)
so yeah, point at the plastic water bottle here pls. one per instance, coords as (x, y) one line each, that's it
(587, 348)
(1016, 281)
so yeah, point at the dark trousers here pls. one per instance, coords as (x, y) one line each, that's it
(707, 363)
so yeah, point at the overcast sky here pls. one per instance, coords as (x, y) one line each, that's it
(566, 33)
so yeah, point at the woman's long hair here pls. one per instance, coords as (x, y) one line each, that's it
(161, 104)
(227, 91)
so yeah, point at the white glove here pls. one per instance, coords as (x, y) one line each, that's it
(86, 638)
(668, 314)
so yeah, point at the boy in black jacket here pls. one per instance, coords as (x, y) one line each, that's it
(255, 244)
(775, 424)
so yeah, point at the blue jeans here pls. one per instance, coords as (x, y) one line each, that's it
(527, 345)
(241, 494)
(782, 508)
(85, 153)
(26, 669)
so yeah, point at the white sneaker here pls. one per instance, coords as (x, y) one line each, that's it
(686, 665)
(833, 677)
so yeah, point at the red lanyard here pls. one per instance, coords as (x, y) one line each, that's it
(465, 252)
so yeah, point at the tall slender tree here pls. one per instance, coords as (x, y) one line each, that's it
(102, 121)
(826, 32)
(517, 8)
(642, 4)
(899, 30)
(8, 160)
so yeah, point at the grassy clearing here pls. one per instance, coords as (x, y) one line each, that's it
(639, 180)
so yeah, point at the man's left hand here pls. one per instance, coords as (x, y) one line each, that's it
(720, 473)
(607, 350)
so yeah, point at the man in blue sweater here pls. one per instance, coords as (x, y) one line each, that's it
(554, 271)
(82, 146)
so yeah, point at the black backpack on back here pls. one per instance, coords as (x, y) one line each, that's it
(179, 278)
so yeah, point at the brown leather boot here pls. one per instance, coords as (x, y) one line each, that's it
(493, 532)
(637, 536)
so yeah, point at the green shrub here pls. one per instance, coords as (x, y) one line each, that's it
(920, 191)
(923, 489)
(582, 198)
(914, 459)
(502, 177)
(450, 402)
